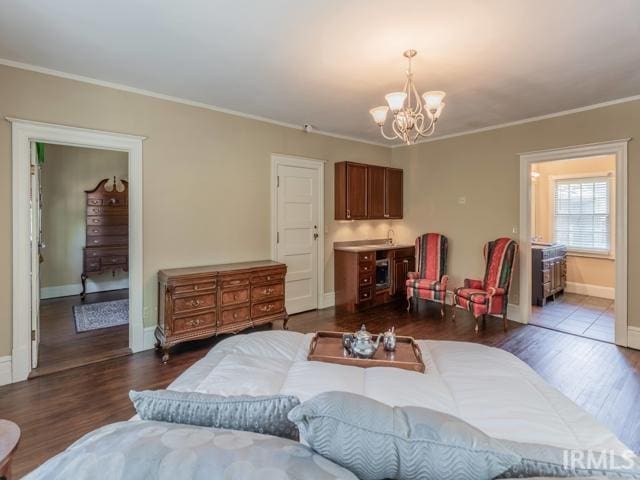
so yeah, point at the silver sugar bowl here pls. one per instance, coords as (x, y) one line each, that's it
(389, 340)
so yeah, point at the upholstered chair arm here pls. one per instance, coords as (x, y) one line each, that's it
(470, 283)
(413, 275)
(443, 282)
(496, 291)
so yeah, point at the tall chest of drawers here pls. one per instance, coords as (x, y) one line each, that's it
(548, 272)
(107, 231)
(201, 302)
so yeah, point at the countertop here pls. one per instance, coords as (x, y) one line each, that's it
(372, 248)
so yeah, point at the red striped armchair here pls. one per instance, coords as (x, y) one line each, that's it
(429, 282)
(491, 295)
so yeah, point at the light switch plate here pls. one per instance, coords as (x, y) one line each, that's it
(462, 200)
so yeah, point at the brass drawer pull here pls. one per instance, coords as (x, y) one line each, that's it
(365, 295)
(235, 315)
(196, 287)
(194, 323)
(95, 220)
(195, 303)
(267, 308)
(269, 277)
(366, 280)
(268, 291)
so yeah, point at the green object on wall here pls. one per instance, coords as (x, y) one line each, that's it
(40, 153)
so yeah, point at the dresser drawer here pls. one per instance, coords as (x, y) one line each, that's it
(234, 281)
(366, 268)
(267, 308)
(107, 240)
(185, 304)
(267, 291)
(232, 297)
(366, 279)
(92, 265)
(546, 276)
(366, 256)
(97, 230)
(194, 322)
(113, 260)
(95, 211)
(114, 220)
(546, 289)
(264, 277)
(235, 315)
(195, 287)
(365, 294)
(405, 252)
(103, 252)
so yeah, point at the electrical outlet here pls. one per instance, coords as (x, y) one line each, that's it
(514, 230)
(462, 200)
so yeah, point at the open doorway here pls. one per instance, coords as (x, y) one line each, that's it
(573, 245)
(80, 217)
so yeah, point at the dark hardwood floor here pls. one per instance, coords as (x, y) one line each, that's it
(57, 409)
(61, 347)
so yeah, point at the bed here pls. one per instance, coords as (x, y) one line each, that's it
(487, 387)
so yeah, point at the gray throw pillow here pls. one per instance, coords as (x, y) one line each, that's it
(266, 414)
(376, 441)
(548, 461)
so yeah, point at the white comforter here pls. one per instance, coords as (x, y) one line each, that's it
(487, 387)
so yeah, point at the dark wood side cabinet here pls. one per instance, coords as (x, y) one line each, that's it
(548, 272)
(367, 191)
(355, 277)
(107, 235)
(201, 302)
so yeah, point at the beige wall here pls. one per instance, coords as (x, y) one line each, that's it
(484, 168)
(65, 175)
(206, 187)
(580, 269)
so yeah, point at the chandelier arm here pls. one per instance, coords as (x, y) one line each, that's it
(418, 102)
(385, 135)
(397, 130)
(430, 130)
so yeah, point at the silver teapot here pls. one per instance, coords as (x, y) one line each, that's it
(361, 343)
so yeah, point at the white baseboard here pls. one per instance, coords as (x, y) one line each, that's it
(149, 339)
(76, 288)
(329, 299)
(591, 290)
(5, 370)
(633, 337)
(513, 312)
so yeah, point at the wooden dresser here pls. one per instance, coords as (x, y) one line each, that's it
(107, 242)
(548, 272)
(201, 302)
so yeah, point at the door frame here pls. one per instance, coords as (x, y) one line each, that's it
(278, 159)
(614, 147)
(23, 132)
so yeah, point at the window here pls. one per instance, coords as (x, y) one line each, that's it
(582, 214)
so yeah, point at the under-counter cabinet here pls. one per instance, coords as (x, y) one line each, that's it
(201, 302)
(367, 191)
(548, 272)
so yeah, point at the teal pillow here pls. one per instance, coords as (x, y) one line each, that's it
(376, 441)
(266, 414)
(548, 461)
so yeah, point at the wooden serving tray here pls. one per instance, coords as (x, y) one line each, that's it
(327, 347)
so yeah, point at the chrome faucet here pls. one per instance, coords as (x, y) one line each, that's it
(390, 235)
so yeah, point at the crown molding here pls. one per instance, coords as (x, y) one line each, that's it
(170, 98)
(527, 120)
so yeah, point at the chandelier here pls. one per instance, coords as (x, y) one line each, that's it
(409, 120)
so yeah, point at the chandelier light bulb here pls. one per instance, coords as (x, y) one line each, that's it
(379, 114)
(433, 100)
(396, 100)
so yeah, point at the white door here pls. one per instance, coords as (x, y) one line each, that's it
(36, 221)
(297, 206)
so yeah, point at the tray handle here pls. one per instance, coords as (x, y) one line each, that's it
(314, 342)
(417, 351)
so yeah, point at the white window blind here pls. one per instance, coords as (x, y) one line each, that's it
(582, 214)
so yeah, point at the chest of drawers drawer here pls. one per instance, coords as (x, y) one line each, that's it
(107, 240)
(235, 296)
(267, 308)
(195, 302)
(266, 277)
(102, 210)
(235, 315)
(264, 292)
(229, 281)
(113, 220)
(98, 230)
(202, 286)
(195, 322)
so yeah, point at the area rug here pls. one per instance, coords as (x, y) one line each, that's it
(93, 316)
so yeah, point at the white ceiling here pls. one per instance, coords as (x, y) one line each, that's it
(327, 62)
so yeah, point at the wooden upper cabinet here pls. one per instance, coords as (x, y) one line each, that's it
(367, 191)
(377, 192)
(393, 192)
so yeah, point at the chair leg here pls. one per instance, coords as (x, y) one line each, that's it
(408, 304)
(506, 322)
(476, 324)
(453, 312)
(442, 310)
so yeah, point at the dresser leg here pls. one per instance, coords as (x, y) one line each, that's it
(83, 277)
(285, 322)
(165, 354)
